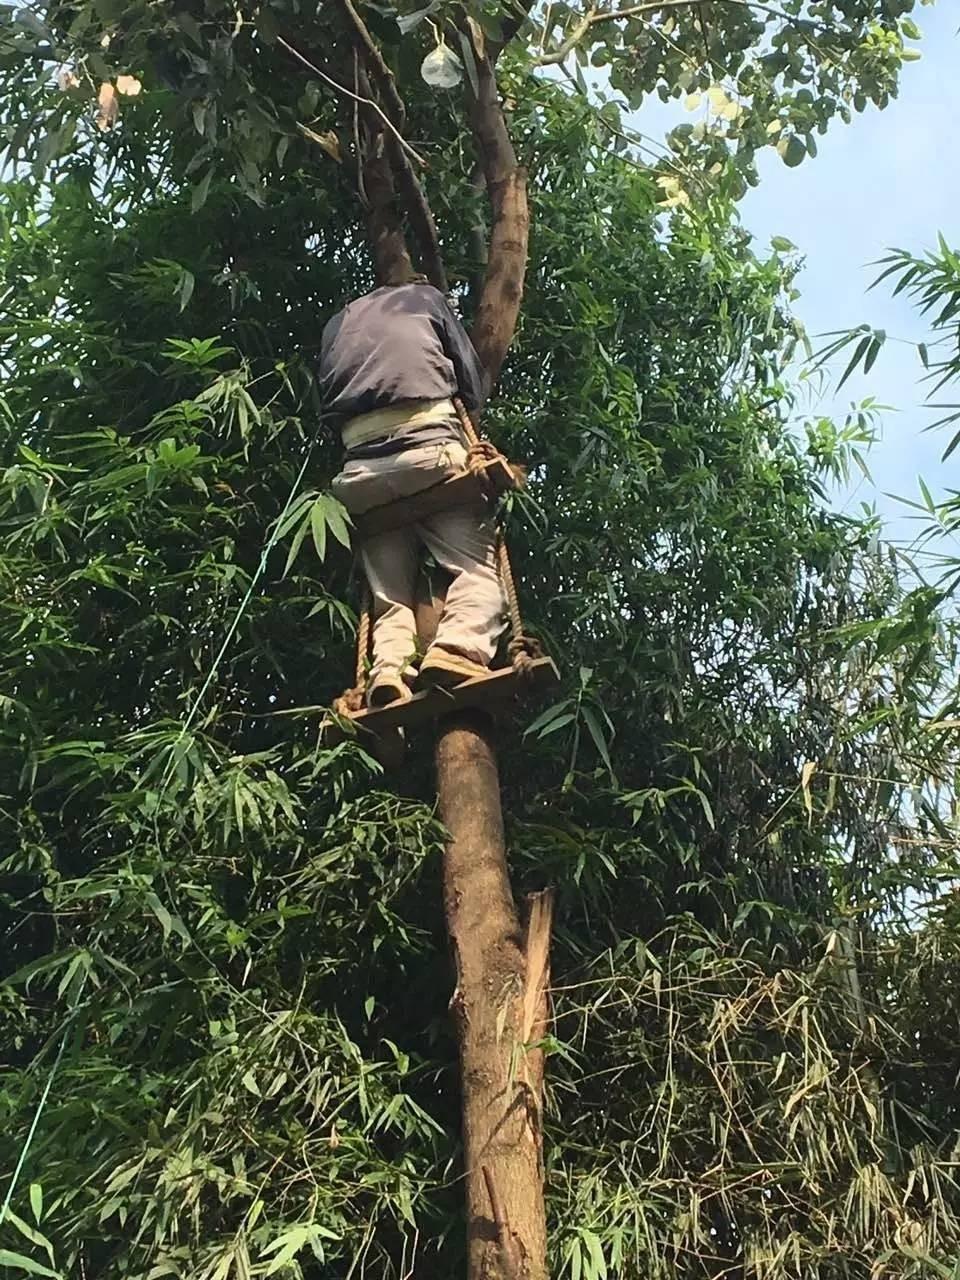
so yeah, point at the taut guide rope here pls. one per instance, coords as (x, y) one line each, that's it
(522, 649)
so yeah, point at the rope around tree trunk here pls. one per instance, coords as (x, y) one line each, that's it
(522, 648)
(351, 700)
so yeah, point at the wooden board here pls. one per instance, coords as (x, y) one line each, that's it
(465, 489)
(490, 692)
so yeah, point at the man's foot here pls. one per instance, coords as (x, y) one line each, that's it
(441, 669)
(387, 689)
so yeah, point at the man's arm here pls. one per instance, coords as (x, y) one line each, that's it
(472, 379)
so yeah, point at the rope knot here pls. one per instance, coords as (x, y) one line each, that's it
(479, 454)
(524, 650)
(350, 702)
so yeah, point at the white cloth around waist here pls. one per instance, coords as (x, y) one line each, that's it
(367, 427)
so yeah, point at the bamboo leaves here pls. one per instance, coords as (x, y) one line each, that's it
(286, 1246)
(583, 711)
(20, 1263)
(315, 515)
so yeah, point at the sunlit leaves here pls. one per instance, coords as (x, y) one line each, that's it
(581, 714)
(286, 1246)
(108, 108)
(758, 70)
(196, 352)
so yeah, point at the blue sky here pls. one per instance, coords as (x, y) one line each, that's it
(890, 178)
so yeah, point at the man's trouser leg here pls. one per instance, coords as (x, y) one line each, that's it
(391, 562)
(462, 541)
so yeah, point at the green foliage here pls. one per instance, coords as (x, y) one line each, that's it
(215, 90)
(933, 282)
(222, 940)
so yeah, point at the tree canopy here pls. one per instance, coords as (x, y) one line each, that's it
(224, 1002)
(223, 88)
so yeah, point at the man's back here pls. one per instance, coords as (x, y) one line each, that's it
(396, 344)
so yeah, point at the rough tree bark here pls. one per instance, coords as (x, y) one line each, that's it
(502, 291)
(500, 1005)
(502, 970)
(384, 233)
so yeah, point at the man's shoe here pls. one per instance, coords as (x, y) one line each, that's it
(385, 690)
(441, 669)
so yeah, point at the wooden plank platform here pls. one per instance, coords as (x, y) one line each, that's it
(467, 488)
(490, 692)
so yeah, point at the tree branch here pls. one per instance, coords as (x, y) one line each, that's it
(513, 1263)
(421, 217)
(381, 72)
(573, 39)
(477, 239)
(414, 197)
(387, 244)
(593, 16)
(510, 27)
(366, 102)
(414, 200)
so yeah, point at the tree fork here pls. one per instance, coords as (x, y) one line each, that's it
(499, 1006)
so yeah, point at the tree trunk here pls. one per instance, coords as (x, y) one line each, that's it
(502, 291)
(500, 1005)
(384, 232)
(500, 1001)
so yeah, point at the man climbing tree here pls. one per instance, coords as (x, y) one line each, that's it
(391, 366)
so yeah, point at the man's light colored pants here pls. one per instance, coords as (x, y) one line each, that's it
(461, 540)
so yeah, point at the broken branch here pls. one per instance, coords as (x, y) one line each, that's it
(537, 952)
